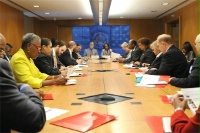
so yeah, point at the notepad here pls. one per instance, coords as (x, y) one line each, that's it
(53, 112)
(84, 121)
(166, 121)
(71, 82)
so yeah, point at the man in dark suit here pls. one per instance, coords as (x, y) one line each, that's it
(173, 62)
(66, 58)
(135, 52)
(20, 107)
(75, 53)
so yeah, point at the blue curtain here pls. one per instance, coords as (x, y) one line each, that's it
(113, 35)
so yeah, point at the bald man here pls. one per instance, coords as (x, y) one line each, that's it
(20, 107)
(173, 62)
(66, 58)
(2, 45)
(193, 79)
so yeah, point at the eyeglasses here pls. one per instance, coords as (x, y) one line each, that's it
(37, 47)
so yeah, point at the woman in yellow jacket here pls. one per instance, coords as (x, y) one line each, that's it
(24, 68)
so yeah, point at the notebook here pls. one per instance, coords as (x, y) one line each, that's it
(84, 121)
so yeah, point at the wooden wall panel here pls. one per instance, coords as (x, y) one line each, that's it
(11, 25)
(138, 27)
(37, 27)
(65, 33)
(189, 21)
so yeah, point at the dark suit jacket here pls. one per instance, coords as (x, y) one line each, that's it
(173, 63)
(135, 55)
(156, 63)
(74, 55)
(46, 64)
(180, 123)
(21, 111)
(191, 81)
(147, 56)
(66, 59)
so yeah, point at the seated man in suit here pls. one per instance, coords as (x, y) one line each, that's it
(67, 59)
(90, 51)
(135, 52)
(147, 55)
(75, 53)
(193, 79)
(173, 62)
(59, 47)
(180, 122)
(44, 61)
(18, 102)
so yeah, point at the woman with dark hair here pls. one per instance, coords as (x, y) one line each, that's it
(188, 51)
(44, 61)
(106, 50)
(147, 56)
(24, 68)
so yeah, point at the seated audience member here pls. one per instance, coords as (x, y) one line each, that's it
(156, 63)
(44, 61)
(173, 61)
(135, 52)
(147, 55)
(180, 122)
(106, 50)
(18, 102)
(193, 79)
(24, 68)
(59, 47)
(75, 53)
(127, 50)
(90, 51)
(188, 51)
(8, 49)
(66, 58)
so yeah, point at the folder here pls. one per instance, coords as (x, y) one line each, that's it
(84, 121)
(48, 97)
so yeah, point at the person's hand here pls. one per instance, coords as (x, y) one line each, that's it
(62, 68)
(136, 63)
(64, 72)
(178, 101)
(79, 61)
(39, 93)
(61, 80)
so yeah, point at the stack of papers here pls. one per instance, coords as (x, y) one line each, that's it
(53, 112)
(71, 82)
(115, 55)
(193, 95)
(154, 81)
(130, 66)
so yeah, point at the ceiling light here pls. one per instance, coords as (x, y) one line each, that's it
(121, 17)
(79, 18)
(47, 13)
(165, 4)
(36, 6)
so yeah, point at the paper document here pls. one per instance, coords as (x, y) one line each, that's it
(71, 82)
(193, 95)
(53, 112)
(70, 71)
(166, 121)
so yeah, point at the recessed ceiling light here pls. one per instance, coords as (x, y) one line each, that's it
(47, 13)
(154, 11)
(164, 4)
(121, 17)
(79, 18)
(36, 6)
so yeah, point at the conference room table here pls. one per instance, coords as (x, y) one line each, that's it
(130, 117)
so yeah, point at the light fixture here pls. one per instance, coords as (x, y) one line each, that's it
(121, 17)
(36, 6)
(47, 13)
(100, 11)
(79, 18)
(165, 4)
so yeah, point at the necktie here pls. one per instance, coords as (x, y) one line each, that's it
(90, 52)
